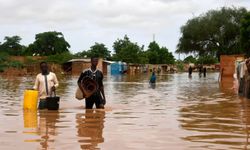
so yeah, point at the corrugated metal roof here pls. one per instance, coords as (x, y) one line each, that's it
(81, 60)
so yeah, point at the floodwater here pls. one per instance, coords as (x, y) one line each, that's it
(179, 113)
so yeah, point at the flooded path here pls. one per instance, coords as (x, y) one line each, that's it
(180, 113)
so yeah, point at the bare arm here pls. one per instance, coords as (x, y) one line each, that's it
(56, 83)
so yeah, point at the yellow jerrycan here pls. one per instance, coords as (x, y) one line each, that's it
(30, 118)
(30, 99)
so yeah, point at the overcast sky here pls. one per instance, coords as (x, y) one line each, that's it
(84, 22)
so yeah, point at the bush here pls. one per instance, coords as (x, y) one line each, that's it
(2, 67)
(30, 60)
(207, 60)
(15, 64)
(3, 57)
(190, 59)
(60, 58)
(180, 65)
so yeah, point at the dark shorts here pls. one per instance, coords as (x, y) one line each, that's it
(94, 99)
(42, 104)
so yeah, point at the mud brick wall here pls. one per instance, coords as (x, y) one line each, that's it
(227, 64)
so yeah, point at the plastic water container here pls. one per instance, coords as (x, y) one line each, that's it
(30, 118)
(30, 99)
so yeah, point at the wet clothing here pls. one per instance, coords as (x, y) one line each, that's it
(190, 70)
(204, 71)
(152, 78)
(200, 71)
(41, 84)
(42, 104)
(241, 73)
(97, 97)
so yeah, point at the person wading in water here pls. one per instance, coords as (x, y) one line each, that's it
(46, 82)
(98, 98)
(152, 80)
(190, 70)
(204, 71)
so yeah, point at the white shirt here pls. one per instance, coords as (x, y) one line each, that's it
(41, 86)
(243, 69)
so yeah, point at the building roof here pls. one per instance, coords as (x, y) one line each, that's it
(79, 60)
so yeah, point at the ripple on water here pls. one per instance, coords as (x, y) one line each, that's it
(180, 113)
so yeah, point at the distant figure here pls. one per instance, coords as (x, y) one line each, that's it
(190, 71)
(45, 83)
(204, 71)
(200, 71)
(152, 80)
(159, 70)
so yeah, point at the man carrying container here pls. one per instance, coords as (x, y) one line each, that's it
(46, 82)
(98, 97)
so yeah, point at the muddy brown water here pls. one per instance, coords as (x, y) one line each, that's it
(180, 113)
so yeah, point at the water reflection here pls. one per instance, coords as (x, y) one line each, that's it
(30, 119)
(152, 85)
(47, 128)
(181, 113)
(90, 128)
(216, 120)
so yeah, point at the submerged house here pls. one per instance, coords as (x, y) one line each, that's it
(135, 68)
(161, 68)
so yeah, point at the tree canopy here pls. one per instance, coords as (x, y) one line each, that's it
(130, 52)
(127, 51)
(159, 55)
(245, 33)
(214, 33)
(96, 50)
(53, 45)
(48, 43)
(190, 59)
(12, 46)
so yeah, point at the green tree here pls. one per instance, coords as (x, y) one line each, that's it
(83, 54)
(127, 51)
(48, 43)
(245, 33)
(207, 60)
(159, 55)
(165, 57)
(190, 59)
(12, 45)
(215, 33)
(99, 50)
(143, 57)
(153, 52)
